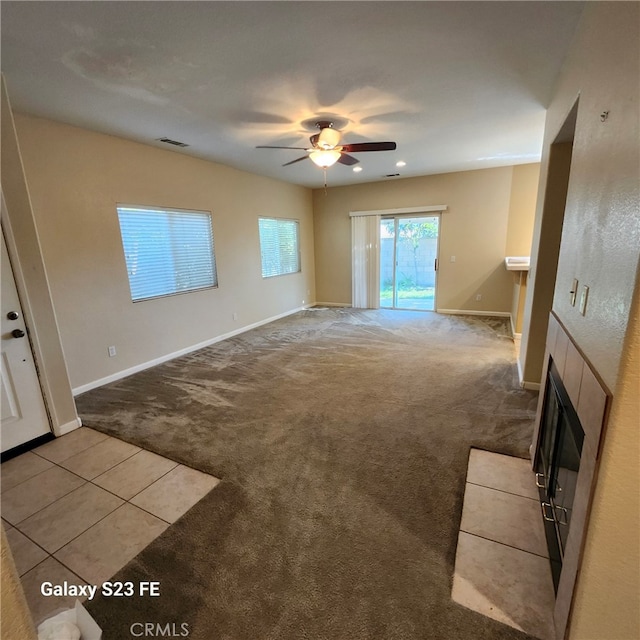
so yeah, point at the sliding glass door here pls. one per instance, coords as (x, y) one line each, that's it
(408, 262)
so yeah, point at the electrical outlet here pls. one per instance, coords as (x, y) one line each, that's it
(479, 296)
(112, 351)
(453, 258)
(234, 315)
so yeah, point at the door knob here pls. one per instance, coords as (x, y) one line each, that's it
(17, 333)
(13, 315)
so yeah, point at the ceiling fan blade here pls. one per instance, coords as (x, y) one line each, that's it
(347, 159)
(286, 164)
(369, 146)
(263, 146)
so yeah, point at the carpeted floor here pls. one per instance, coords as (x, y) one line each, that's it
(342, 439)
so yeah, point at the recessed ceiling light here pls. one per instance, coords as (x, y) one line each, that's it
(401, 163)
(357, 169)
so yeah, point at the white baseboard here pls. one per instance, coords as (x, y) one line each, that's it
(331, 304)
(176, 354)
(467, 312)
(520, 375)
(60, 430)
(530, 386)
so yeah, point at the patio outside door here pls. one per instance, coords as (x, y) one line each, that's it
(408, 262)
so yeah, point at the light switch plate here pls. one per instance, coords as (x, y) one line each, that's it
(583, 299)
(574, 292)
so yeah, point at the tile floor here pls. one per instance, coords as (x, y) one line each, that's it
(80, 507)
(502, 567)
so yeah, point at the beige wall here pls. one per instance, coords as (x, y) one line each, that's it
(600, 246)
(544, 260)
(76, 177)
(486, 211)
(608, 590)
(520, 279)
(601, 243)
(522, 209)
(601, 235)
(522, 213)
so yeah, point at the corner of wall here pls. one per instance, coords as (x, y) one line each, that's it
(24, 247)
(15, 621)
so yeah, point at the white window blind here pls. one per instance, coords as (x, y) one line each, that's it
(365, 261)
(279, 246)
(167, 251)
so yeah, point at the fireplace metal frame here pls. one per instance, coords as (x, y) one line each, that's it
(559, 451)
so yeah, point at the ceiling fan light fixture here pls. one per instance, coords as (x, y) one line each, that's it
(325, 158)
(328, 138)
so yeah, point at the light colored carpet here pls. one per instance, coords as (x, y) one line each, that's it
(342, 439)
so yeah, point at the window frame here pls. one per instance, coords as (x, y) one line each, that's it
(150, 209)
(297, 243)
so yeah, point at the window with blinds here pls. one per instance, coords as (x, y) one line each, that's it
(167, 251)
(279, 246)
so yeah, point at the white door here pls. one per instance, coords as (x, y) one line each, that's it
(24, 416)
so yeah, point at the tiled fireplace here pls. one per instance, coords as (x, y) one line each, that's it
(519, 548)
(571, 415)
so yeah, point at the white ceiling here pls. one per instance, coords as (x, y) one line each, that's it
(458, 85)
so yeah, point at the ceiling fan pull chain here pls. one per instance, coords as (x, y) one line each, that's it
(325, 180)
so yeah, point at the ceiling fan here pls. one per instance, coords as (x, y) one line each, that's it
(326, 149)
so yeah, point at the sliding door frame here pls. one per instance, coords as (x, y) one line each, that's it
(396, 218)
(427, 211)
